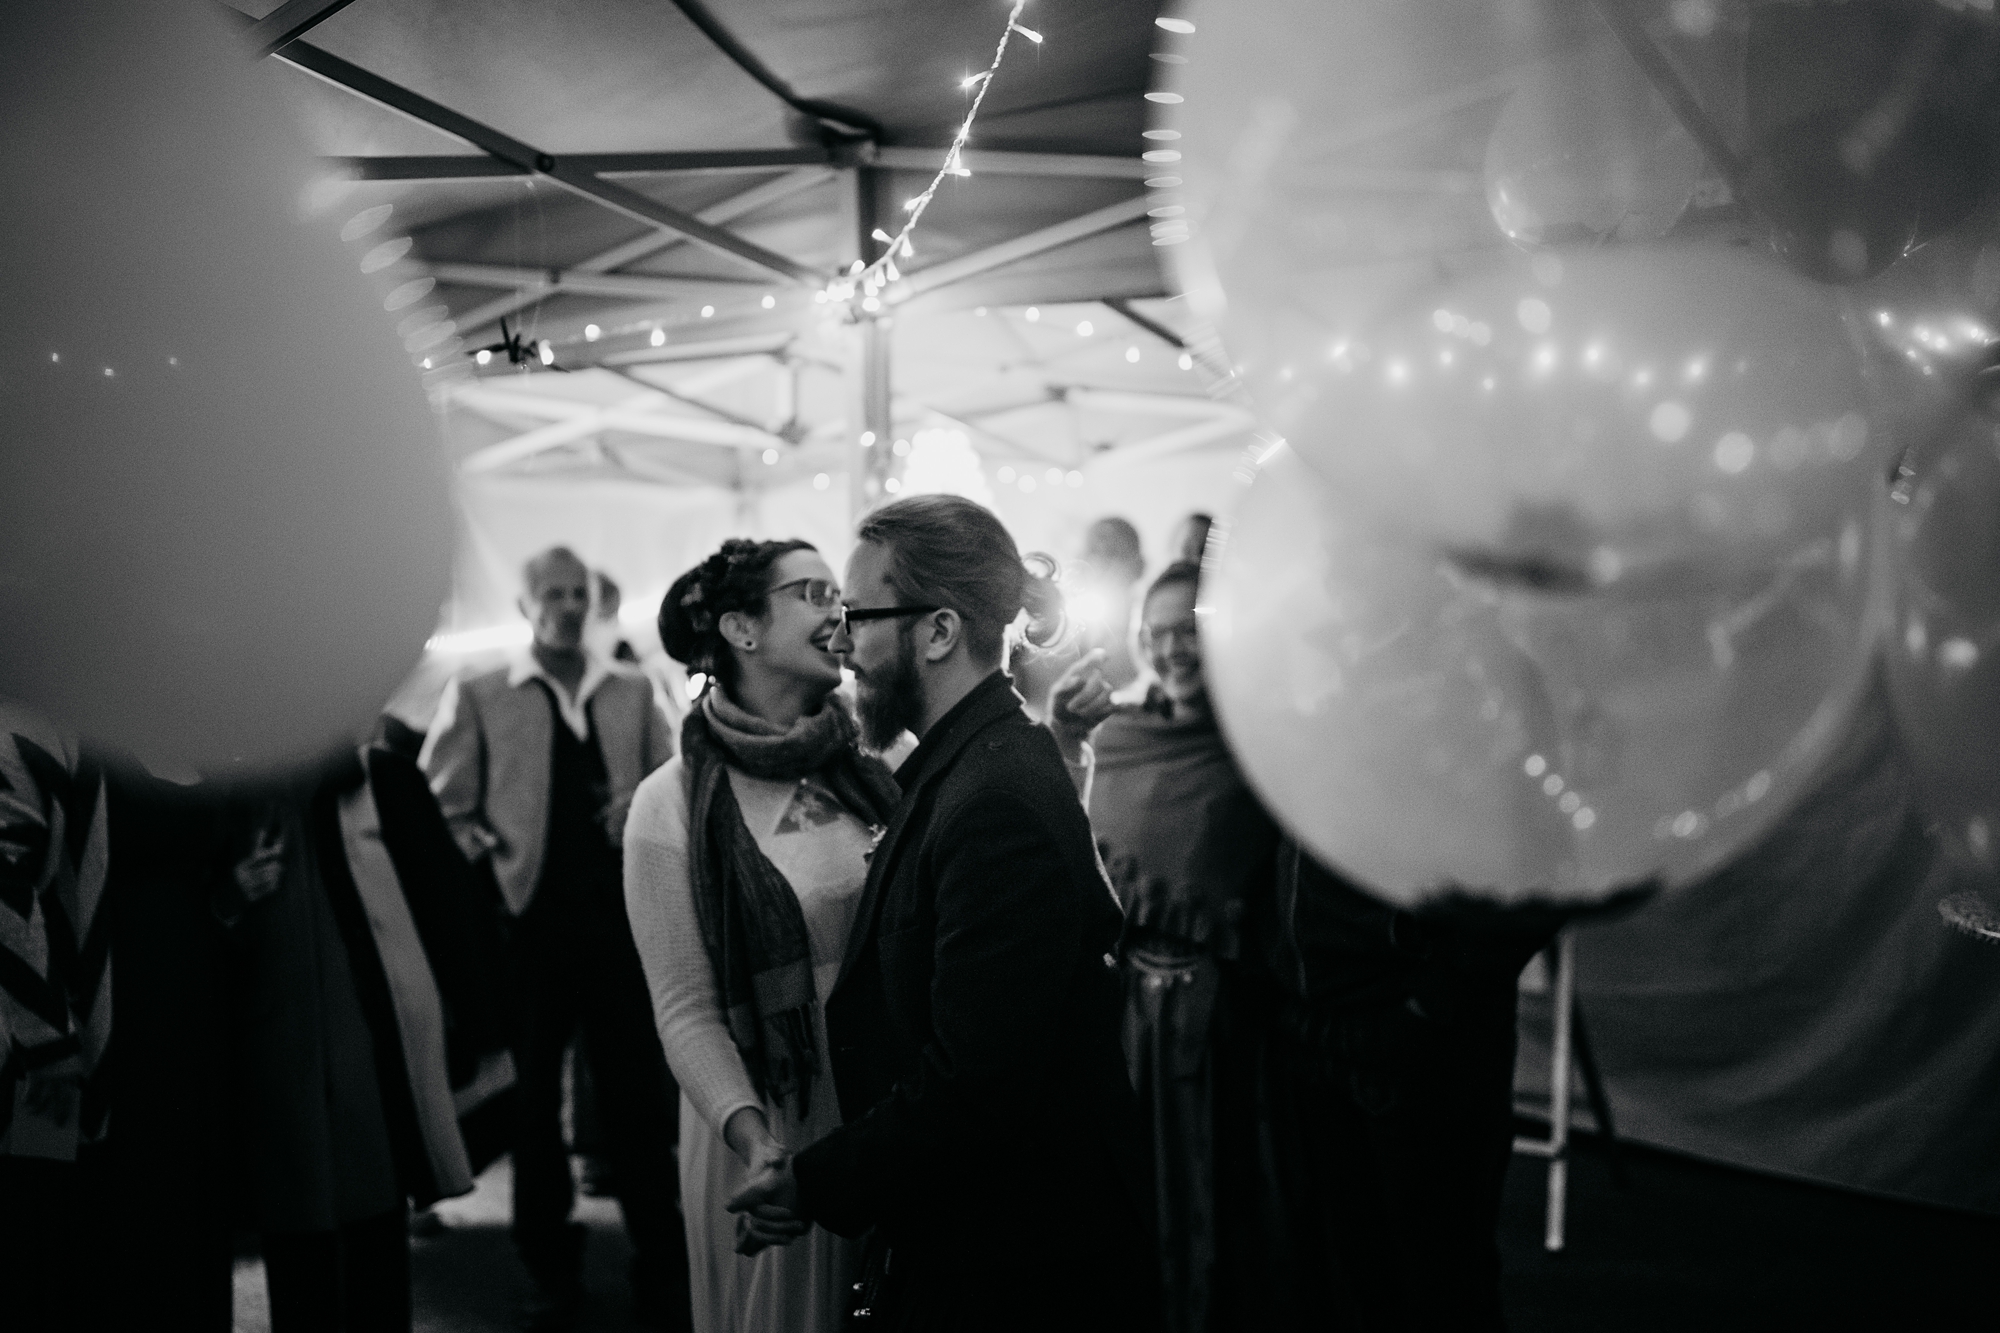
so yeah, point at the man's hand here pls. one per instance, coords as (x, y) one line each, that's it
(767, 1206)
(614, 817)
(1078, 701)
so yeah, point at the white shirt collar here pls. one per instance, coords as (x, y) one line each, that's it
(596, 671)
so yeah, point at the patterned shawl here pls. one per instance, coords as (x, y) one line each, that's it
(750, 920)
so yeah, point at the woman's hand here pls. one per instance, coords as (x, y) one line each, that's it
(766, 1207)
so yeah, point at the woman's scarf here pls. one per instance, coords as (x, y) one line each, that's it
(751, 924)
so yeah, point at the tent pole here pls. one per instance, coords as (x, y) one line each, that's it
(868, 379)
(869, 403)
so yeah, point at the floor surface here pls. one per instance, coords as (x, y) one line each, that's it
(1682, 1247)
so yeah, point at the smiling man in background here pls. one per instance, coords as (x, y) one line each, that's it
(534, 765)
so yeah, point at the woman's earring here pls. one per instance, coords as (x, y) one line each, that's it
(749, 645)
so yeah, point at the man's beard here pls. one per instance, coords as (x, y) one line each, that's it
(890, 701)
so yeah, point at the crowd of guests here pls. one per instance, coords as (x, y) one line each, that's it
(1044, 1022)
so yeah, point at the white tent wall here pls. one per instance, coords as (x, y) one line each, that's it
(644, 534)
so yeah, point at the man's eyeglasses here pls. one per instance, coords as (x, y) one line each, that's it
(819, 594)
(849, 616)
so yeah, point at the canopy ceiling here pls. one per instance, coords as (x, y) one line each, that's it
(732, 87)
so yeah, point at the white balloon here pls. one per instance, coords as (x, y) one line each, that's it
(226, 514)
(1431, 724)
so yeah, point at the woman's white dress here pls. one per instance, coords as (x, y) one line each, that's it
(821, 849)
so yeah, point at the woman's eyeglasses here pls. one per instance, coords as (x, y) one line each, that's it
(819, 594)
(850, 616)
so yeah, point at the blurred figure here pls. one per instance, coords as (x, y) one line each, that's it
(55, 1019)
(1112, 567)
(1097, 598)
(1190, 538)
(534, 765)
(344, 1105)
(745, 859)
(1330, 1079)
(606, 635)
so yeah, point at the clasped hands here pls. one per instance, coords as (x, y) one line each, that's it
(766, 1207)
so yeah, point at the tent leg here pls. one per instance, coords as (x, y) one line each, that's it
(870, 457)
(869, 402)
(1559, 1072)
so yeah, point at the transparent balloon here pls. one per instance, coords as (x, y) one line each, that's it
(1586, 149)
(1605, 413)
(1944, 654)
(227, 513)
(1432, 723)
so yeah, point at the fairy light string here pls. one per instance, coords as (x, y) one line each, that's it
(868, 280)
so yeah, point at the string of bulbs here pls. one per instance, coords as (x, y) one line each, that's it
(870, 279)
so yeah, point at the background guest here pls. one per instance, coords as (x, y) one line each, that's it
(1190, 849)
(1189, 541)
(344, 1104)
(1330, 1079)
(534, 765)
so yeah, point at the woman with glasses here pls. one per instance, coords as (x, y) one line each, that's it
(744, 863)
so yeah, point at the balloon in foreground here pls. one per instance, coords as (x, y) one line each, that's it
(1432, 719)
(1586, 150)
(1606, 413)
(226, 515)
(1944, 657)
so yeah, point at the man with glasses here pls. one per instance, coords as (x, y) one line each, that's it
(989, 1136)
(534, 765)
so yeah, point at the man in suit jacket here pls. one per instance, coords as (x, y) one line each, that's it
(990, 1136)
(534, 765)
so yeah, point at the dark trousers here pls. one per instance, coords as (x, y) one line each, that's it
(354, 1280)
(575, 968)
(1406, 1127)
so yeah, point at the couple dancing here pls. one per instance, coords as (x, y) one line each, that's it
(888, 999)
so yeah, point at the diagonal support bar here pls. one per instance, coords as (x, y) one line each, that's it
(1022, 247)
(399, 167)
(618, 286)
(1148, 323)
(653, 241)
(511, 150)
(292, 20)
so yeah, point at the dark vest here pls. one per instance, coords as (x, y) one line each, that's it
(580, 860)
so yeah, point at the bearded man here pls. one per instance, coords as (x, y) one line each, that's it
(990, 1138)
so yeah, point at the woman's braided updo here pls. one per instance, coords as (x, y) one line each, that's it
(735, 578)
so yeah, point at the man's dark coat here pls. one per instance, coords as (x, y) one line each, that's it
(990, 1131)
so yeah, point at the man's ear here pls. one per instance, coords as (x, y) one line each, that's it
(526, 606)
(947, 630)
